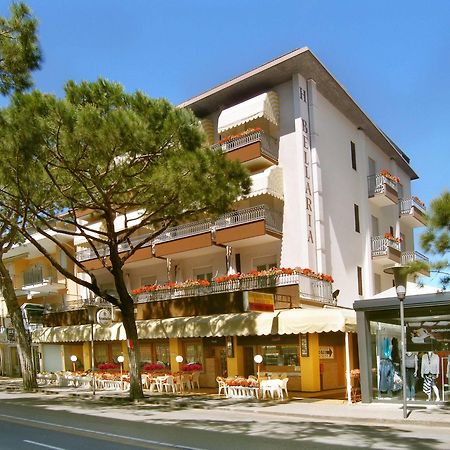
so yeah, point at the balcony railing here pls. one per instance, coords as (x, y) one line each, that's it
(409, 257)
(274, 222)
(75, 303)
(310, 288)
(185, 230)
(407, 203)
(376, 184)
(380, 245)
(269, 145)
(39, 275)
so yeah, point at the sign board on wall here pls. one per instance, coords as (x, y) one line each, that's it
(326, 352)
(258, 301)
(104, 317)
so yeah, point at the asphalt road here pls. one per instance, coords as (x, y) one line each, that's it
(73, 424)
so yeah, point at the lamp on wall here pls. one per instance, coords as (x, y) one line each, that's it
(400, 279)
(179, 359)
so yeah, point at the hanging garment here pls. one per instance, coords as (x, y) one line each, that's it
(386, 375)
(430, 364)
(428, 383)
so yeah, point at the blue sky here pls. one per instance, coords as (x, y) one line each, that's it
(393, 57)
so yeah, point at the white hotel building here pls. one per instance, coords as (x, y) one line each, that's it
(331, 194)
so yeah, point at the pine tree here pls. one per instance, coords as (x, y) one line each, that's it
(113, 154)
(19, 56)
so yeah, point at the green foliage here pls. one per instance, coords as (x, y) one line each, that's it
(19, 49)
(436, 239)
(107, 151)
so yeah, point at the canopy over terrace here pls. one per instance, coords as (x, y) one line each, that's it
(292, 321)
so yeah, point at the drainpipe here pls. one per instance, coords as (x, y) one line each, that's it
(167, 260)
(347, 369)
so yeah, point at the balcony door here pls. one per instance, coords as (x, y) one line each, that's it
(372, 167)
(375, 226)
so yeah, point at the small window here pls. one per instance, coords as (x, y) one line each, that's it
(203, 273)
(353, 153)
(356, 211)
(148, 281)
(360, 285)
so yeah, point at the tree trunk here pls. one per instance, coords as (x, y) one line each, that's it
(22, 336)
(134, 355)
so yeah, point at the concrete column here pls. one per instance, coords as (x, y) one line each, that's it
(310, 366)
(175, 349)
(365, 356)
(87, 355)
(235, 365)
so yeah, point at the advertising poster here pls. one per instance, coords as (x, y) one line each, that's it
(424, 338)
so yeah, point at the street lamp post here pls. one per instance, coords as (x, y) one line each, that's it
(92, 309)
(258, 360)
(73, 358)
(400, 279)
(120, 360)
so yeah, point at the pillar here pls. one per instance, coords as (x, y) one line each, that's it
(125, 355)
(87, 355)
(310, 365)
(235, 365)
(175, 349)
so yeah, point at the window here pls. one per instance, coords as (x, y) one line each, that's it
(148, 281)
(238, 262)
(353, 154)
(360, 285)
(356, 211)
(265, 263)
(203, 273)
(162, 353)
(375, 226)
(372, 167)
(193, 352)
(280, 355)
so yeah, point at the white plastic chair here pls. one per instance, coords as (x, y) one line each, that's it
(195, 379)
(284, 382)
(169, 384)
(271, 387)
(222, 385)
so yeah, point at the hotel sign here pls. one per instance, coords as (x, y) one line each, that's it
(258, 301)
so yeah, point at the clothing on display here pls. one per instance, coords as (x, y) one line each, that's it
(387, 372)
(411, 365)
(429, 372)
(430, 364)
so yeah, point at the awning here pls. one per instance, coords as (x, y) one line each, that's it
(291, 321)
(264, 105)
(78, 333)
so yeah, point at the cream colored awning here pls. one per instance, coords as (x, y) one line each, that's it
(264, 105)
(79, 333)
(291, 321)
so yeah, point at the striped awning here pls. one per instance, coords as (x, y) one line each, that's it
(291, 321)
(264, 105)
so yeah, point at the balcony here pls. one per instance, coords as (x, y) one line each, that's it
(382, 190)
(409, 257)
(256, 149)
(308, 288)
(412, 212)
(41, 280)
(254, 222)
(385, 251)
(242, 224)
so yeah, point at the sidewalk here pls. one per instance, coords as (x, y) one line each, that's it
(302, 409)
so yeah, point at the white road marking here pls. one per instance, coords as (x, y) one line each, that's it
(101, 433)
(43, 445)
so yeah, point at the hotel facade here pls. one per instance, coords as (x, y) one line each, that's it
(330, 207)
